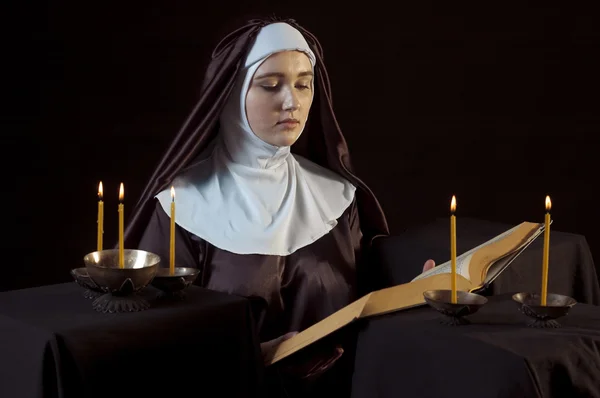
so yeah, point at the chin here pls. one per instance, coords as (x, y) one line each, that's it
(288, 141)
(286, 138)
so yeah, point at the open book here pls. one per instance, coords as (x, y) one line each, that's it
(475, 269)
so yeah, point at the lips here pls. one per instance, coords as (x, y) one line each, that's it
(289, 121)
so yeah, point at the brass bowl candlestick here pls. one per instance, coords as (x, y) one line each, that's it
(454, 313)
(172, 286)
(81, 276)
(544, 316)
(121, 285)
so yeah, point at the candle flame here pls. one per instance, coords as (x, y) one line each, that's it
(100, 190)
(172, 193)
(548, 203)
(453, 204)
(121, 192)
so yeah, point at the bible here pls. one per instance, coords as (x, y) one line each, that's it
(475, 270)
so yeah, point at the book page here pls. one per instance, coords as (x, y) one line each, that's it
(462, 267)
(408, 295)
(463, 261)
(485, 257)
(317, 331)
(501, 264)
(380, 302)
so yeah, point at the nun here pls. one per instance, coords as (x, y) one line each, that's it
(268, 204)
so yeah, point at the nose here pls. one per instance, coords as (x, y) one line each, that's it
(291, 101)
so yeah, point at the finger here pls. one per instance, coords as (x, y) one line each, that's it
(429, 264)
(288, 335)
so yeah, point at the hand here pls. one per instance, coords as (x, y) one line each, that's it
(429, 264)
(267, 346)
(312, 363)
(308, 364)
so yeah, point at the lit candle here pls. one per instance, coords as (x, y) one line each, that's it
(453, 246)
(172, 242)
(100, 217)
(546, 255)
(121, 226)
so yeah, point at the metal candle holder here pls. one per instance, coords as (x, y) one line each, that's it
(81, 276)
(172, 286)
(544, 316)
(453, 314)
(121, 285)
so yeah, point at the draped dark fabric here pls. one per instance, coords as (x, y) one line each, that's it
(293, 291)
(321, 142)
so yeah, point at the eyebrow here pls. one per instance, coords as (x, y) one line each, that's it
(279, 74)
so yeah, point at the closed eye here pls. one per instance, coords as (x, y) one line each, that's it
(277, 87)
(271, 88)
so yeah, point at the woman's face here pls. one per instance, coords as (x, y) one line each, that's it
(279, 97)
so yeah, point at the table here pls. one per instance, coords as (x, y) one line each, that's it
(53, 344)
(411, 354)
(398, 259)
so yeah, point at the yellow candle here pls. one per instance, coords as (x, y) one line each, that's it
(121, 226)
(546, 254)
(172, 241)
(100, 217)
(453, 247)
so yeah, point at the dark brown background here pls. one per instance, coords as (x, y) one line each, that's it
(497, 104)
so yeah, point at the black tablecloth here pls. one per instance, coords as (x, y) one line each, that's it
(398, 259)
(53, 344)
(411, 354)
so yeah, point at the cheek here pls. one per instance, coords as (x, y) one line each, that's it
(256, 109)
(306, 104)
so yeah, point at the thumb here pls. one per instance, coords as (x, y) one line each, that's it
(429, 264)
(288, 336)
